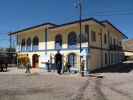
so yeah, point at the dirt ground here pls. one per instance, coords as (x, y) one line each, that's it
(51, 86)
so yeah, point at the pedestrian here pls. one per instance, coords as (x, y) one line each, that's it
(68, 67)
(48, 66)
(28, 67)
(58, 61)
(82, 67)
(65, 67)
(27, 64)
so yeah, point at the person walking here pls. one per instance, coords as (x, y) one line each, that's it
(48, 66)
(68, 67)
(28, 65)
(58, 61)
(82, 68)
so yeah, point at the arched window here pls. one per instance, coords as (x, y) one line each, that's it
(23, 45)
(72, 59)
(28, 43)
(35, 43)
(72, 40)
(58, 42)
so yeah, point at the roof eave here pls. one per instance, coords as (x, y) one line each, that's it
(36, 26)
(77, 21)
(106, 21)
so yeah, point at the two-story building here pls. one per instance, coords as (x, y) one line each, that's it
(101, 43)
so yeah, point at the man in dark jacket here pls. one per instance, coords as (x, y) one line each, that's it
(58, 62)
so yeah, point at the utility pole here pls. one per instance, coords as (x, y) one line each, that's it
(17, 49)
(46, 39)
(80, 22)
(10, 40)
(80, 28)
(100, 34)
(79, 5)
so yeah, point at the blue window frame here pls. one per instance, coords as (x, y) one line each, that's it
(23, 49)
(72, 40)
(72, 59)
(35, 43)
(58, 42)
(23, 45)
(28, 42)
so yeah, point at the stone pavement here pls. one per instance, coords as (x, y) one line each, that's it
(41, 85)
(41, 71)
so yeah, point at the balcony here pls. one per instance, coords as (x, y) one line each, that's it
(35, 48)
(23, 49)
(115, 47)
(28, 49)
(58, 46)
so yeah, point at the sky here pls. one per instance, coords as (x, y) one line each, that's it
(19, 14)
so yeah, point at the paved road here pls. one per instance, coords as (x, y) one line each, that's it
(50, 86)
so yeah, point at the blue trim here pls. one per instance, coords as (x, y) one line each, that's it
(28, 48)
(23, 49)
(63, 49)
(35, 48)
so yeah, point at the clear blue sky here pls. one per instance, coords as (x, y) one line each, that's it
(19, 14)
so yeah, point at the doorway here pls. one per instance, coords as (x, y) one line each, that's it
(72, 59)
(35, 60)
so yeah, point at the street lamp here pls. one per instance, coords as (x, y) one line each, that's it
(10, 40)
(100, 34)
(79, 5)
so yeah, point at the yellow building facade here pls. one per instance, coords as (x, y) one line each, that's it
(100, 43)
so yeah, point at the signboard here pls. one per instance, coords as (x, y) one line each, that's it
(84, 52)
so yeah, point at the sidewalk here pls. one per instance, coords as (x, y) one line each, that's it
(34, 71)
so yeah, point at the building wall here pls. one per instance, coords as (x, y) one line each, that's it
(97, 51)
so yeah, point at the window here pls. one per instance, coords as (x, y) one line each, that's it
(106, 58)
(72, 40)
(105, 38)
(86, 29)
(72, 59)
(83, 38)
(28, 43)
(120, 43)
(23, 45)
(93, 36)
(35, 43)
(19, 46)
(111, 58)
(110, 40)
(58, 42)
(114, 41)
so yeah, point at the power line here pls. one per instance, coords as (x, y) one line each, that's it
(113, 14)
(114, 11)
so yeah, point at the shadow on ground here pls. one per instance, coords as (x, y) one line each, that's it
(117, 68)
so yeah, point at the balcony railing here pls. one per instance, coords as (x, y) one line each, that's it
(115, 47)
(28, 49)
(35, 48)
(58, 46)
(23, 49)
(72, 46)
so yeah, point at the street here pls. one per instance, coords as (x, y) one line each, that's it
(51, 86)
